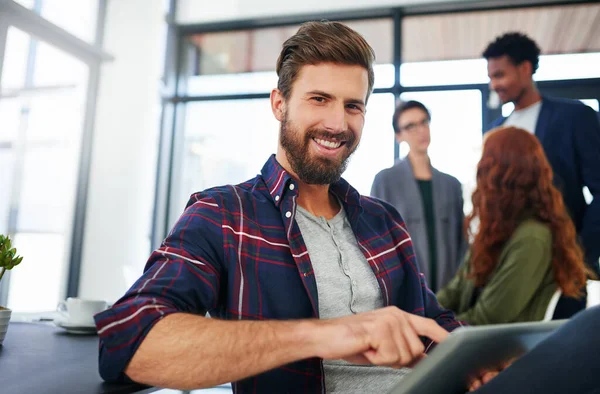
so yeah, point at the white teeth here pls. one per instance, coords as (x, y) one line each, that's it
(328, 144)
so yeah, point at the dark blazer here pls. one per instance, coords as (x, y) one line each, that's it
(397, 185)
(569, 132)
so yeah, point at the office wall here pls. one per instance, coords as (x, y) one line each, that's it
(125, 146)
(199, 11)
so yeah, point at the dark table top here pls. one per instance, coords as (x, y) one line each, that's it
(42, 358)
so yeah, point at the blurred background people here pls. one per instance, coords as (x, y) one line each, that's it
(524, 244)
(568, 130)
(429, 200)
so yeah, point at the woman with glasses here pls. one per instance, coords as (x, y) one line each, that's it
(430, 201)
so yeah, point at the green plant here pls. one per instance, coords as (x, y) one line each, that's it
(8, 256)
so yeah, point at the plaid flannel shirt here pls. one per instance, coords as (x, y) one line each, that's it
(237, 253)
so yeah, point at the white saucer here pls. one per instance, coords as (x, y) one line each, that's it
(76, 328)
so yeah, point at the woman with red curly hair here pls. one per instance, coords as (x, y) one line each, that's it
(524, 244)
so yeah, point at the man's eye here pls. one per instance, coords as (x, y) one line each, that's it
(319, 99)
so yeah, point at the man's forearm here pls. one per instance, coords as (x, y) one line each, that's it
(185, 351)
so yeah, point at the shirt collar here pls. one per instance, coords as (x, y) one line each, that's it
(280, 184)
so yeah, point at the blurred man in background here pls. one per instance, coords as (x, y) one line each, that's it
(568, 130)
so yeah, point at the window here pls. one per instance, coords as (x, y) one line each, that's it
(239, 62)
(41, 110)
(226, 142)
(376, 150)
(77, 17)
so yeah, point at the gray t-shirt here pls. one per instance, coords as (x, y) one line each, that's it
(345, 285)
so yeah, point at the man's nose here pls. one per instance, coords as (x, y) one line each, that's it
(493, 84)
(336, 120)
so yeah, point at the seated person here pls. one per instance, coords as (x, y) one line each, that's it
(310, 286)
(524, 244)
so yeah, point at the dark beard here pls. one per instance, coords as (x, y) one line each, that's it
(518, 98)
(314, 170)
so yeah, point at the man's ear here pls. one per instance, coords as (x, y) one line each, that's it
(277, 104)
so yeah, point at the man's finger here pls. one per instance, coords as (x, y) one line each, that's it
(475, 384)
(428, 328)
(416, 361)
(486, 377)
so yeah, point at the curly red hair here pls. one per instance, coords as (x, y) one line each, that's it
(514, 181)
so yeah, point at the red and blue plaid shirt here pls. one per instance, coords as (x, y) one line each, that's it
(237, 253)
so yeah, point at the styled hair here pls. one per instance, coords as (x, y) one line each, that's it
(404, 106)
(518, 47)
(322, 42)
(514, 182)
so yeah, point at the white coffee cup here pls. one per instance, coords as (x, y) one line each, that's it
(78, 311)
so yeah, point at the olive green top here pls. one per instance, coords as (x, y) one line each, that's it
(520, 287)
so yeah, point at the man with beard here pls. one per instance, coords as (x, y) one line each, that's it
(568, 130)
(309, 286)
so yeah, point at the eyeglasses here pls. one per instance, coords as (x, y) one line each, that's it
(412, 127)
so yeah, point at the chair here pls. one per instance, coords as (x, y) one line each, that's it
(593, 291)
(552, 305)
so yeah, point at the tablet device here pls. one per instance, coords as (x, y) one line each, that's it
(469, 350)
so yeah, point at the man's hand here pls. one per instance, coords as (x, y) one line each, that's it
(387, 336)
(488, 375)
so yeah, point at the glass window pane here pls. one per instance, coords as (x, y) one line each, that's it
(42, 119)
(78, 17)
(47, 191)
(568, 66)
(39, 282)
(262, 82)
(376, 150)
(10, 118)
(215, 153)
(244, 61)
(214, 156)
(14, 66)
(456, 134)
(449, 72)
(7, 162)
(26, 3)
(471, 71)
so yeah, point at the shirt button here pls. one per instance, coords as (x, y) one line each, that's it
(353, 283)
(292, 186)
(288, 214)
(276, 198)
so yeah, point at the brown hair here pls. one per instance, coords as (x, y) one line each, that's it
(322, 42)
(514, 181)
(404, 106)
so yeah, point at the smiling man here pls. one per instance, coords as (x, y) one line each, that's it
(310, 286)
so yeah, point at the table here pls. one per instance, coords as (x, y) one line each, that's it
(41, 358)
